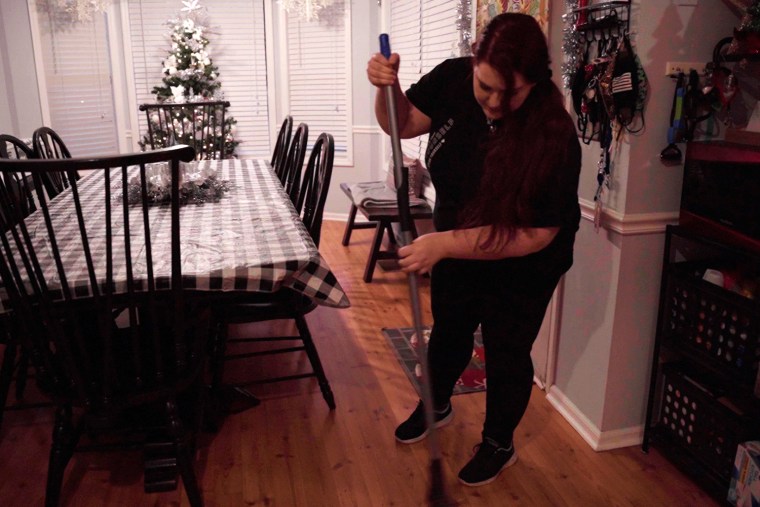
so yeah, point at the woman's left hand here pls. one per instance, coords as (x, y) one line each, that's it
(421, 255)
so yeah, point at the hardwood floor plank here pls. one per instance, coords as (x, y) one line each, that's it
(291, 451)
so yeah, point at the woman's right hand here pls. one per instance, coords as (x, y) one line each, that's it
(383, 71)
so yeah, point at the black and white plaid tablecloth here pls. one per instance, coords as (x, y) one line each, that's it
(251, 240)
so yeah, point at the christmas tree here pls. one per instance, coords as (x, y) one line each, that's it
(190, 77)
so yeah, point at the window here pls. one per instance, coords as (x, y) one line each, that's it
(75, 80)
(319, 75)
(237, 47)
(423, 33)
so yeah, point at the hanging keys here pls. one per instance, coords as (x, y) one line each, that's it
(598, 211)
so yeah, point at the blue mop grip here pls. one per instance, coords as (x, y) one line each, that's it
(385, 45)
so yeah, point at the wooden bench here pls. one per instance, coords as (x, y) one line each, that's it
(380, 219)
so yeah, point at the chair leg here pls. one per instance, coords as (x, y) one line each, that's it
(65, 437)
(212, 416)
(184, 448)
(373, 253)
(391, 235)
(316, 364)
(217, 356)
(6, 376)
(22, 373)
(349, 225)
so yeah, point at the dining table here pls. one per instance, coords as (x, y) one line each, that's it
(251, 239)
(247, 239)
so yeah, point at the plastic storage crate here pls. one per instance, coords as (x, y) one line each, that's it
(718, 325)
(696, 420)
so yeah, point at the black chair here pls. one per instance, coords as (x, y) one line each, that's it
(14, 148)
(15, 363)
(200, 125)
(291, 174)
(121, 362)
(284, 304)
(281, 146)
(315, 185)
(49, 145)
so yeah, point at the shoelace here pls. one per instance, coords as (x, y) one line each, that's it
(496, 445)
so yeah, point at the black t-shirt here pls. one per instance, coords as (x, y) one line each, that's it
(458, 131)
(455, 155)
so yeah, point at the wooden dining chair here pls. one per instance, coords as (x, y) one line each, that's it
(284, 304)
(14, 148)
(111, 356)
(291, 174)
(200, 125)
(281, 146)
(49, 145)
(14, 368)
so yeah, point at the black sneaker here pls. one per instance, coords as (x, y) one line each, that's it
(487, 463)
(415, 429)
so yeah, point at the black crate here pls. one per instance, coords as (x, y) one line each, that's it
(699, 420)
(719, 326)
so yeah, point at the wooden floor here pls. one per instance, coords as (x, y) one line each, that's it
(292, 451)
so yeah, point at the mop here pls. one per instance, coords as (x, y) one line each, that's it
(437, 496)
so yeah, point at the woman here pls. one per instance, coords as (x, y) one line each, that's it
(504, 158)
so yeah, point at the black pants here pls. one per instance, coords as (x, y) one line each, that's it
(509, 307)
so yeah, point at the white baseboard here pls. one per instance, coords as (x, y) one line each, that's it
(598, 440)
(629, 224)
(342, 217)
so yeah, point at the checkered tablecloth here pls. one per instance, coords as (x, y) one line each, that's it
(251, 240)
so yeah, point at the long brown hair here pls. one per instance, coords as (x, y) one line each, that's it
(529, 142)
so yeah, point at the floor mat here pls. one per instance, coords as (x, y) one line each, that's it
(403, 342)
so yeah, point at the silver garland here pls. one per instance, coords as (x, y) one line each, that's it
(209, 190)
(572, 43)
(464, 26)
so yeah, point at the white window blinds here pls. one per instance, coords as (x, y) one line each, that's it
(423, 33)
(77, 82)
(237, 48)
(318, 75)
(406, 40)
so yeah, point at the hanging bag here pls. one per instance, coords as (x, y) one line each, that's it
(624, 86)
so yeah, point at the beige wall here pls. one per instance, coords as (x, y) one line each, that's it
(611, 293)
(20, 111)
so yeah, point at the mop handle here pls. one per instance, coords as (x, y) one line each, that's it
(400, 176)
(437, 496)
